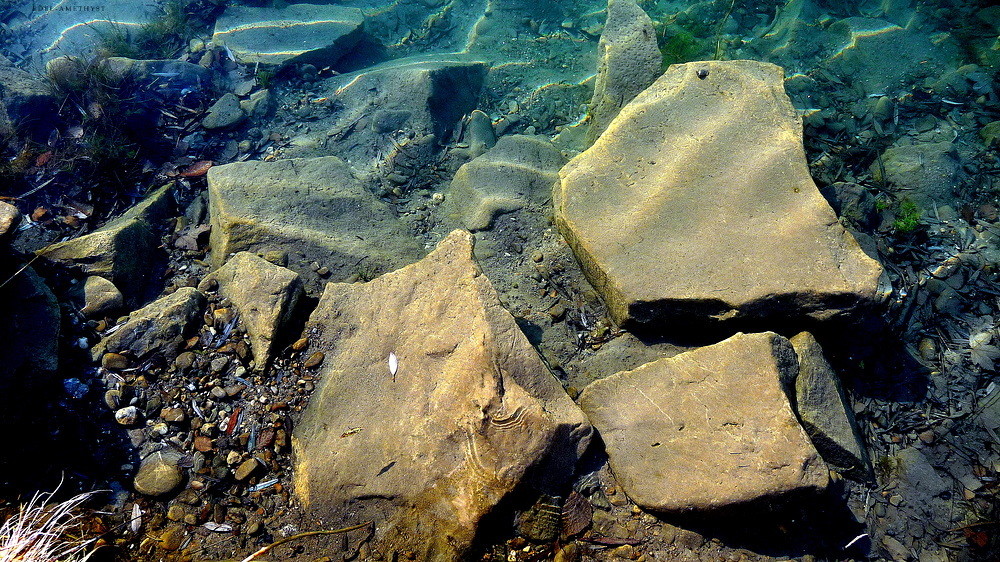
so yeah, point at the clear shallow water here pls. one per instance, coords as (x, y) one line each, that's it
(868, 77)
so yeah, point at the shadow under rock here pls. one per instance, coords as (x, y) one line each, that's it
(815, 523)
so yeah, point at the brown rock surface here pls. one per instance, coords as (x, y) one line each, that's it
(706, 429)
(696, 206)
(429, 448)
(264, 294)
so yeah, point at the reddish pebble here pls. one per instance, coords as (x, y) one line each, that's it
(202, 443)
(199, 168)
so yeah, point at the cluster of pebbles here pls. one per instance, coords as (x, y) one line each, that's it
(211, 435)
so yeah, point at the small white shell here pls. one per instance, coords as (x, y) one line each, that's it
(136, 522)
(218, 527)
(393, 364)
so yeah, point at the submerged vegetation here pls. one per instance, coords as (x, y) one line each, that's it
(162, 38)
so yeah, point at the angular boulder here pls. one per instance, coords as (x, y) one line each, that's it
(432, 407)
(311, 208)
(695, 208)
(294, 33)
(517, 171)
(629, 61)
(160, 326)
(124, 251)
(265, 295)
(707, 429)
(822, 407)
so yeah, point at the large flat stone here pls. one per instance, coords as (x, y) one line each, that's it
(295, 33)
(696, 206)
(707, 429)
(51, 29)
(311, 209)
(469, 414)
(395, 115)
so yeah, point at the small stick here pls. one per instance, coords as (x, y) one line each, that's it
(271, 546)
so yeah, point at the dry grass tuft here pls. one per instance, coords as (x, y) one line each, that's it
(42, 532)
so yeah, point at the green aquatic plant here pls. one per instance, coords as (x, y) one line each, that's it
(681, 46)
(907, 216)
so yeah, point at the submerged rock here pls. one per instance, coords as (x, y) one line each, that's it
(100, 297)
(294, 33)
(696, 206)
(159, 474)
(264, 294)
(432, 407)
(630, 61)
(396, 114)
(822, 407)
(707, 429)
(26, 103)
(159, 326)
(518, 171)
(225, 112)
(124, 251)
(923, 171)
(313, 210)
(10, 217)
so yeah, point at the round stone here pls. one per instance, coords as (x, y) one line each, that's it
(127, 415)
(114, 361)
(159, 474)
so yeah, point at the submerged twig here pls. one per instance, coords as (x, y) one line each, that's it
(268, 548)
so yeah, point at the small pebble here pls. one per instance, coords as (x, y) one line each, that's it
(300, 344)
(114, 361)
(127, 415)
(175, 512)
(173, 415)
(314, 360)
(172, 538)
(246, 469)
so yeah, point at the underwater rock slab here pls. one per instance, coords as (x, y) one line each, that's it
(125, 251)
(879, 57)
(295, 33)
(432, 407)
(308, 210)
(925, 172)
(264, 294)
(695, 208)
(630, 60)
(26, 103)
(52, 29)
(517, 171)
(707, 429)
(395, 114)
